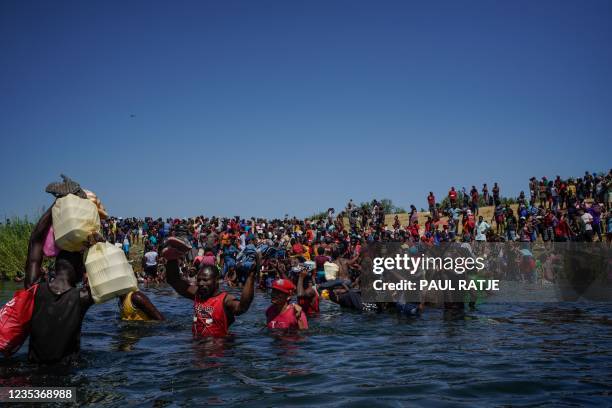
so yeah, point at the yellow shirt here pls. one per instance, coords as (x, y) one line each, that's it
(306, 253)
(129, 312)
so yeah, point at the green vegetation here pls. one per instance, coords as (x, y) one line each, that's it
(319, 216)
(14, 239)
(386, 204)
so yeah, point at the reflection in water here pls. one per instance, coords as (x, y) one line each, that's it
(287, 344)
(207, 349)
(532, 354)
(130, 333)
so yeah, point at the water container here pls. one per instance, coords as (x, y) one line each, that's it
(74, 219)
(108, 272)
(331, 270)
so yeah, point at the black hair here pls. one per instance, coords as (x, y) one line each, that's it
(70, 262)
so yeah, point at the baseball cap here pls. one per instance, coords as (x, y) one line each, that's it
(284, 285)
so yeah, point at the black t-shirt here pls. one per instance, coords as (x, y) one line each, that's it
(56, 325)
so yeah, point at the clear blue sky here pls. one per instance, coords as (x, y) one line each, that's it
(266, 108)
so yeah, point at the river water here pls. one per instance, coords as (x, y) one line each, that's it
(520, 355)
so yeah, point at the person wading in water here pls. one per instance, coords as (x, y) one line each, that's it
(136, 305)
(214, 310)
(59, 306)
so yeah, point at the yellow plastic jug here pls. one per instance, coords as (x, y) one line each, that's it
(108, 272)
(74, 219)
(331, 270)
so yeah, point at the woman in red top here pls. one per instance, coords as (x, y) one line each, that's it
(469, 222)
(562, 230)
(307, 295)
(213, 311)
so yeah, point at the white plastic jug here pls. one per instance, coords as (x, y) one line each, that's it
(331, 270)
(74, 219)
(108, 272)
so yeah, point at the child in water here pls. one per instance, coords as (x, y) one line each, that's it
(282, 314)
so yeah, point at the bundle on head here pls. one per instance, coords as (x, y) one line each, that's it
(68, 186)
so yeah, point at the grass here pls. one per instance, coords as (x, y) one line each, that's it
(486, 212)
(14, 240)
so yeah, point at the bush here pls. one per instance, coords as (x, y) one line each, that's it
(319, 216)
(386, 204)
(14, 240)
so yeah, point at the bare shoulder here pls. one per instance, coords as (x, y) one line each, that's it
(138, 296)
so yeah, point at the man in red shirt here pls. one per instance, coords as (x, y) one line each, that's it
(431, 200)
(214, 310)
(452, 196)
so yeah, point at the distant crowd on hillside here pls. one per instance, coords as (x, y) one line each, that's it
(576, 209)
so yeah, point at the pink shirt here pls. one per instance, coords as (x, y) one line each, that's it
(286, 319)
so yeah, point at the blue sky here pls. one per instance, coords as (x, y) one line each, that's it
(273, 107)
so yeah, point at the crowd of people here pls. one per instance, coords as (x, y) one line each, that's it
(309, 260)
(302, 250)
(576, 209)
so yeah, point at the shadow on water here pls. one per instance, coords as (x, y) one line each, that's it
(530, 354)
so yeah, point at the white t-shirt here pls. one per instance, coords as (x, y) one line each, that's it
(480, 231)
(587, 219)
(150, 258)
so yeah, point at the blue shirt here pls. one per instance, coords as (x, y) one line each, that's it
(455, 212)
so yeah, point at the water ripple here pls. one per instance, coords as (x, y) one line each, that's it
(519, 355)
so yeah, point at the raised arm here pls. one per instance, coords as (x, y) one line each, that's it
(172, 274)
(309, 292)
(238, 307)
(35, 249)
